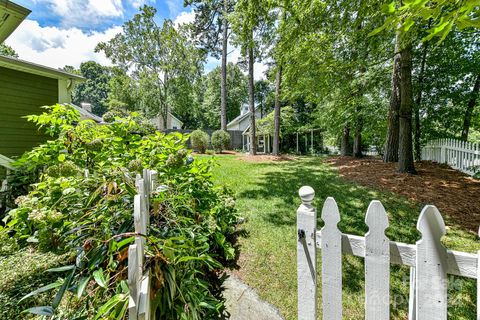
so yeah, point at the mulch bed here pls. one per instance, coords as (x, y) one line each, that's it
(454, 193)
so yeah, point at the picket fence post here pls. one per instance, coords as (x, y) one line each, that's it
(307, 256)
(331, 262)
(377, 264)
(431, 261)
(138, 278)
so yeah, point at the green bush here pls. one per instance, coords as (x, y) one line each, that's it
(90, 218)
(199, 140)
(220, 140)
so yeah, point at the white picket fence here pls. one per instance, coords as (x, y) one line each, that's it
(138, 278)
(429, 261)
(460, 155)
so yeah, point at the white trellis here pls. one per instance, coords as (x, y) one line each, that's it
(138, 278)
(429, 261)
(460, 155)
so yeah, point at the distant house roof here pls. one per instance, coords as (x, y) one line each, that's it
(33, 68)
(11, 15)
(86, 114)
(240, 118)
(171, 115)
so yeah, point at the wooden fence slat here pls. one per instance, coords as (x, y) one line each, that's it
(377, 264)
(307, 256)
(132, 281)
(478, 281)
(431, 275)
(331, 262)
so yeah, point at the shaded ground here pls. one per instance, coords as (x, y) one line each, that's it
(455, 194)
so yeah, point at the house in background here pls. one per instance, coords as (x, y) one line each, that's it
(85, 111)
(173, 123)
(242, 123)
(24, 88)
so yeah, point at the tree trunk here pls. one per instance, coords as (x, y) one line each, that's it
(405, 147)
(251, 102)
(471, 105)
(418, 101)
(223, 82)
(391, 142)
(276, 118)
(357, 140)
(345, 141)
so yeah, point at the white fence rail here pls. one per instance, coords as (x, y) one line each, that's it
(138, 278)
(429, 261)
(460, 155)
(7, 164)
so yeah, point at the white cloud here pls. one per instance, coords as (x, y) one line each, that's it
(84, 12)
(56, 47)
(174, 7)
(234, 55)
(138, 3)
(184, 17)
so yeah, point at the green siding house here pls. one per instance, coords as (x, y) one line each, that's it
(24, 88)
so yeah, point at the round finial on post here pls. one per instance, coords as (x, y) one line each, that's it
(307, 194)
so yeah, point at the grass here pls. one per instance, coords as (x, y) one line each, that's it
(267, 196)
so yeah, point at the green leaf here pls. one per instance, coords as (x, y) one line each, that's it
(61, 157)
(82, 284)
(63, 288)
(61, 269)
(41, 311)
(99, 278)
(42, 289)
(109, 305)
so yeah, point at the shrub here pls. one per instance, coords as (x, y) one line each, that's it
(220, 140)
(90, 218)
(199, 140)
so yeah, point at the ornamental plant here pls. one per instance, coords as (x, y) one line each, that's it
(199, 140)
(88, 216)
(220, 140)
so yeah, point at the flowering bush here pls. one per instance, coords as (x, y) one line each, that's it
(90, 216)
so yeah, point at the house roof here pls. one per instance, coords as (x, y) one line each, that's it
(85, 114)
(240, 118)
(11, 15)
(171, 115)
(33, 68)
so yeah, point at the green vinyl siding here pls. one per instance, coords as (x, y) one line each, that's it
(22, 94)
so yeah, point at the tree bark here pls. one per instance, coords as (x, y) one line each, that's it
(470, 107)
(223, 82)
(276, 118)
(357, 140)
(391, 142)
(405, 147)
(345, 141)
(251, 102)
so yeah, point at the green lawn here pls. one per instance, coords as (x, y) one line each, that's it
(267, 195)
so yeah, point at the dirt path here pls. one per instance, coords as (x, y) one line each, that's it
(455, 194)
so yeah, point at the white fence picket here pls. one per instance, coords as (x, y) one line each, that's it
(377, 264)
(431, 267)
(429, 261)
(307, 256)
(331, 262)
(138, 281)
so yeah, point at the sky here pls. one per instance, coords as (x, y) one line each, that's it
(65, 32)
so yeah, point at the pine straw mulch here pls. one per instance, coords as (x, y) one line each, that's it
(454, 193)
